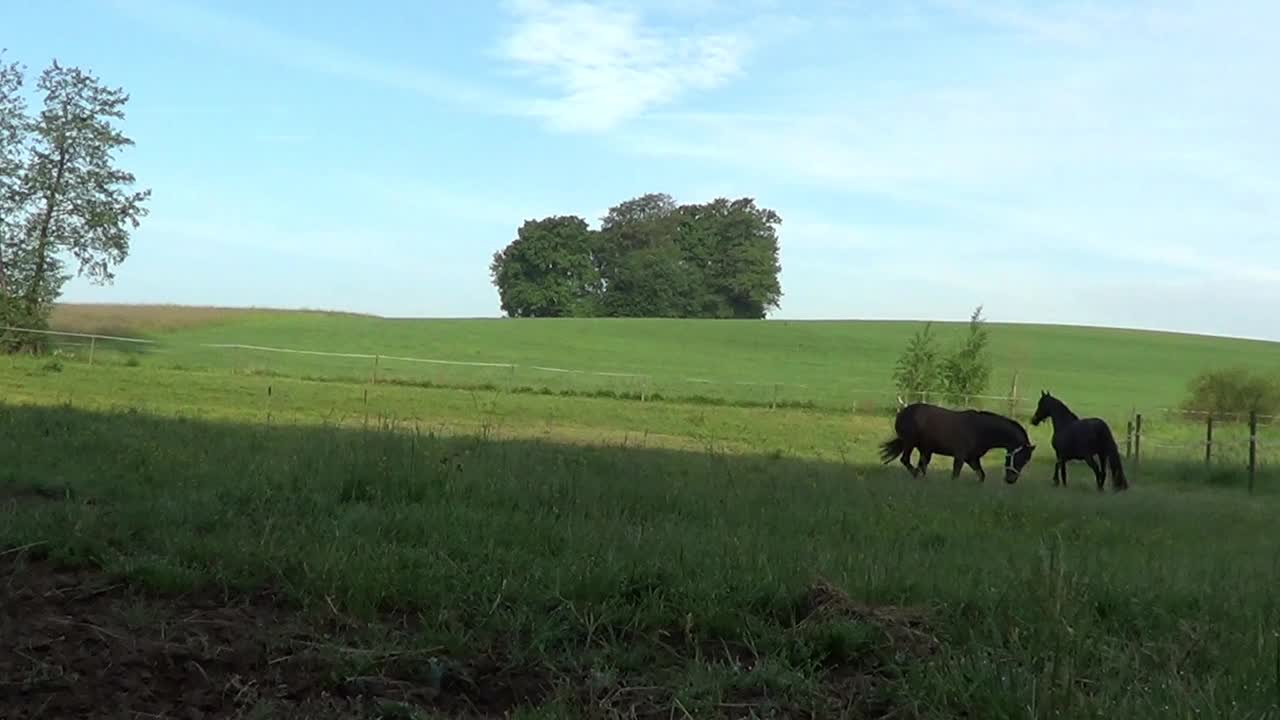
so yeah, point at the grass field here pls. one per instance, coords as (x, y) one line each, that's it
(826, 364)
(341, 549)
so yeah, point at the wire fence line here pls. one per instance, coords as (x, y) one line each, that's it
(1137, 437)
(378, 358)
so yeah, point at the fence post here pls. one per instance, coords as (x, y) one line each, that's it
(1208, 439)
(92, 345)
(1253, 448)
(376, 359)
(1013, 395)
(774, 404)
(1128, 440)
(1137, 440)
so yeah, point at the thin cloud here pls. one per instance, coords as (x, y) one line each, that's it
(248, 37)
(607, 66)
(1076, 152)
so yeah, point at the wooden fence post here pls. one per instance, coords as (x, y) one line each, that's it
(374, 378)
(1253, 448)
(1137, 440)
(1128, 440)
(1208, 439)
(93, 342)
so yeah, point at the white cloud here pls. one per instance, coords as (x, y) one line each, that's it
(1152, 148)
(607, 66)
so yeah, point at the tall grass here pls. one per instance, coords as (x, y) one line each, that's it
(688, 573)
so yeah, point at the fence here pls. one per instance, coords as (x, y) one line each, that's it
(1212, 448)
(1187, 437)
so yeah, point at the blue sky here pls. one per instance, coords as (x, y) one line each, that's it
(1110, 163)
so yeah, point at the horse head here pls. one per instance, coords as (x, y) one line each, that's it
(1043, 408)
(1016, 460)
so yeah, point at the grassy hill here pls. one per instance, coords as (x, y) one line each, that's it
(825, 363)
(502, 552)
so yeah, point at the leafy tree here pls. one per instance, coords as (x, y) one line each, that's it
(70, 203)
(548, 270)
(966, 372)
(639, 224)
(13, 130)
(733, 247)
(916, 372)
(652, 282)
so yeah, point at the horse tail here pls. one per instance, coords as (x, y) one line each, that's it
(1118, 479)
(891, 449)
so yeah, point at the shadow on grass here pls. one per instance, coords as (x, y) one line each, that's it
(642, 582)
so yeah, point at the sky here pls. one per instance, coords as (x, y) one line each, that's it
(1100, 163)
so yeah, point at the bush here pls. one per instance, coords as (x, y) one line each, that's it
(916, 374)
(1233, 391)
(966, 372)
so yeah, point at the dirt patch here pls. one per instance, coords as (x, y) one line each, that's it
(906, 629)
(83, 644)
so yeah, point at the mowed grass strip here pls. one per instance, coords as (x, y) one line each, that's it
(833, 364)
(710, 583)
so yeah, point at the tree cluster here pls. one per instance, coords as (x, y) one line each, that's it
(958, 376)
(64, 204)
(649, 258)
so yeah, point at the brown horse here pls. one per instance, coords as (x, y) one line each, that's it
(965, 435)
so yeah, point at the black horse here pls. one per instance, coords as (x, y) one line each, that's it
(965, 435)
(1089, 440)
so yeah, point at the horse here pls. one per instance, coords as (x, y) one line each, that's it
(1089, 440)
(965, 435)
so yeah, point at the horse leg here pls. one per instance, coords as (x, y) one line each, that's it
(976, 464)
(1057, 468)
(1064, 472)
(1098, 472)
(906, 459)
(923, 465)
(955, 467)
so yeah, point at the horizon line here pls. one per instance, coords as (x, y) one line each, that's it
(321, 311)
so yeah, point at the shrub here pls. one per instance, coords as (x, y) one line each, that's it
(916, 373)
(966, 372)
(1233, 391)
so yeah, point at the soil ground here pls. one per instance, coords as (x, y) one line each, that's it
(83, 644)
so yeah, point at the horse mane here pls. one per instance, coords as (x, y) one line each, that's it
(1060, 405)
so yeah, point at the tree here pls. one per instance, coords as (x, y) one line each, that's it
(966, 372)
(639, 224)
(13, 130)
(548, 270)
(652, 282)
(71, 203)
(733, 248)
(916, 373)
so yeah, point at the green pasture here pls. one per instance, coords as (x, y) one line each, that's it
(673, 558)
(835, 364)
